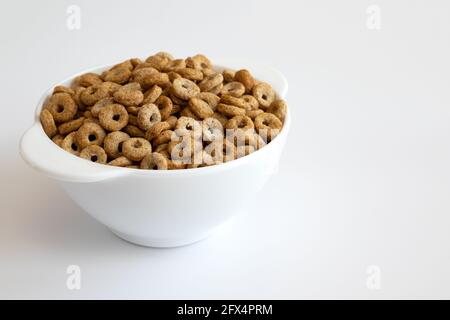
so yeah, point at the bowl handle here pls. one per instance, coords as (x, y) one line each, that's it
(43, 154)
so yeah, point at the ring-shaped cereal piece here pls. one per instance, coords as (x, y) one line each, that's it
(70, 126)
(268, 125)
(121, 162)
(63, 89)
(222, 119)
(252, 114)
(88, 79)
(200, 108)
(278, 108)
(154, 161)
(244, 76)
(99, 105)
(93, 94)
(133, 131)
(151, 95)
(94, 153)
(136, 148)
(217, 89)
(156, 129)
(113, 117)
(158, 61)
(228, 75)
(191, 74)
(175, 65)
(58, 139)
(164, 105)
(238, 102)
(189, 125)
(163, 138)
(264, 93)
(199, 61)
(129, 95)
(48, 123)
(113, 143)
(70, 144)
(148, 115)
(62, 107)
(90, 133)
(172, 121)
(212, 129)
(229, 110)
(119, 74)
(252, 103)
(240, 122)
(185, 89)
(210, 82)
(210, 98)
(235, 89)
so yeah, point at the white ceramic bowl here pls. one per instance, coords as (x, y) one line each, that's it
(159, 208)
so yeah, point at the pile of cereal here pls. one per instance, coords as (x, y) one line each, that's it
(163, 113)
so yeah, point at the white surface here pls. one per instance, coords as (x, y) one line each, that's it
(364, 180)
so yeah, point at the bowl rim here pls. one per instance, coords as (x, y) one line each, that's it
(188, 171)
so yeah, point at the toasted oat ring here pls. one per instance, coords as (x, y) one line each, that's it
(222, 119)
(151, 95)
(210, 82)
(94, 153)
(189, 125)
(267, 124)
(252, 103)
(136, 148)
(187, 112)
(228, 75)
(153, 161)
(264, 93)
(129, 95)
(141, 75)
(133, 131)
(119, 74)
(164, 105)
(175, 65)
(63, 89)
(173, 75)
(209, 98)
(88, 79)
(58, 139)
(90, 133)
(278, 108)
(200, 108)
(158, 61)
(62, 107)
(159, 78)
(132, 110)
(235, 89)
(252, 114)
(244, 76)
(191, 74)
(48, 124)
(113, 117)
(148, 115)
(70, 144)
(198, 61)
(113, 143)
(240, 122)
(229, 99)
(163, 138)
(99, 105)
(172, 121)
(221, 150)
(93, 94)
(185, 89)
(156, 129)
(121, 162)
(229, 110)
(70, 126)
(212, 129)
(132, 119)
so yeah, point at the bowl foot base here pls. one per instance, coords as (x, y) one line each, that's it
(158, 243)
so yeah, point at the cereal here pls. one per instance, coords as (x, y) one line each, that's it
(129, 95)
(94, 153)
(243, 76)
(90, 133)
(154, 161)
(229, 110)
(264, 93)
(148, 115)
(163, 113)
(210, 82)
(113, 117)
(70, 144)
(156, 129)
(200, 108)
(70, 126)
(269, 124)
(62, 107)
(235, 89)
(113, 143)
(278, 108)
(48, 124)
(136, 148)
(185, 89)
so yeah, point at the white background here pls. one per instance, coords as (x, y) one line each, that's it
(364, 179)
